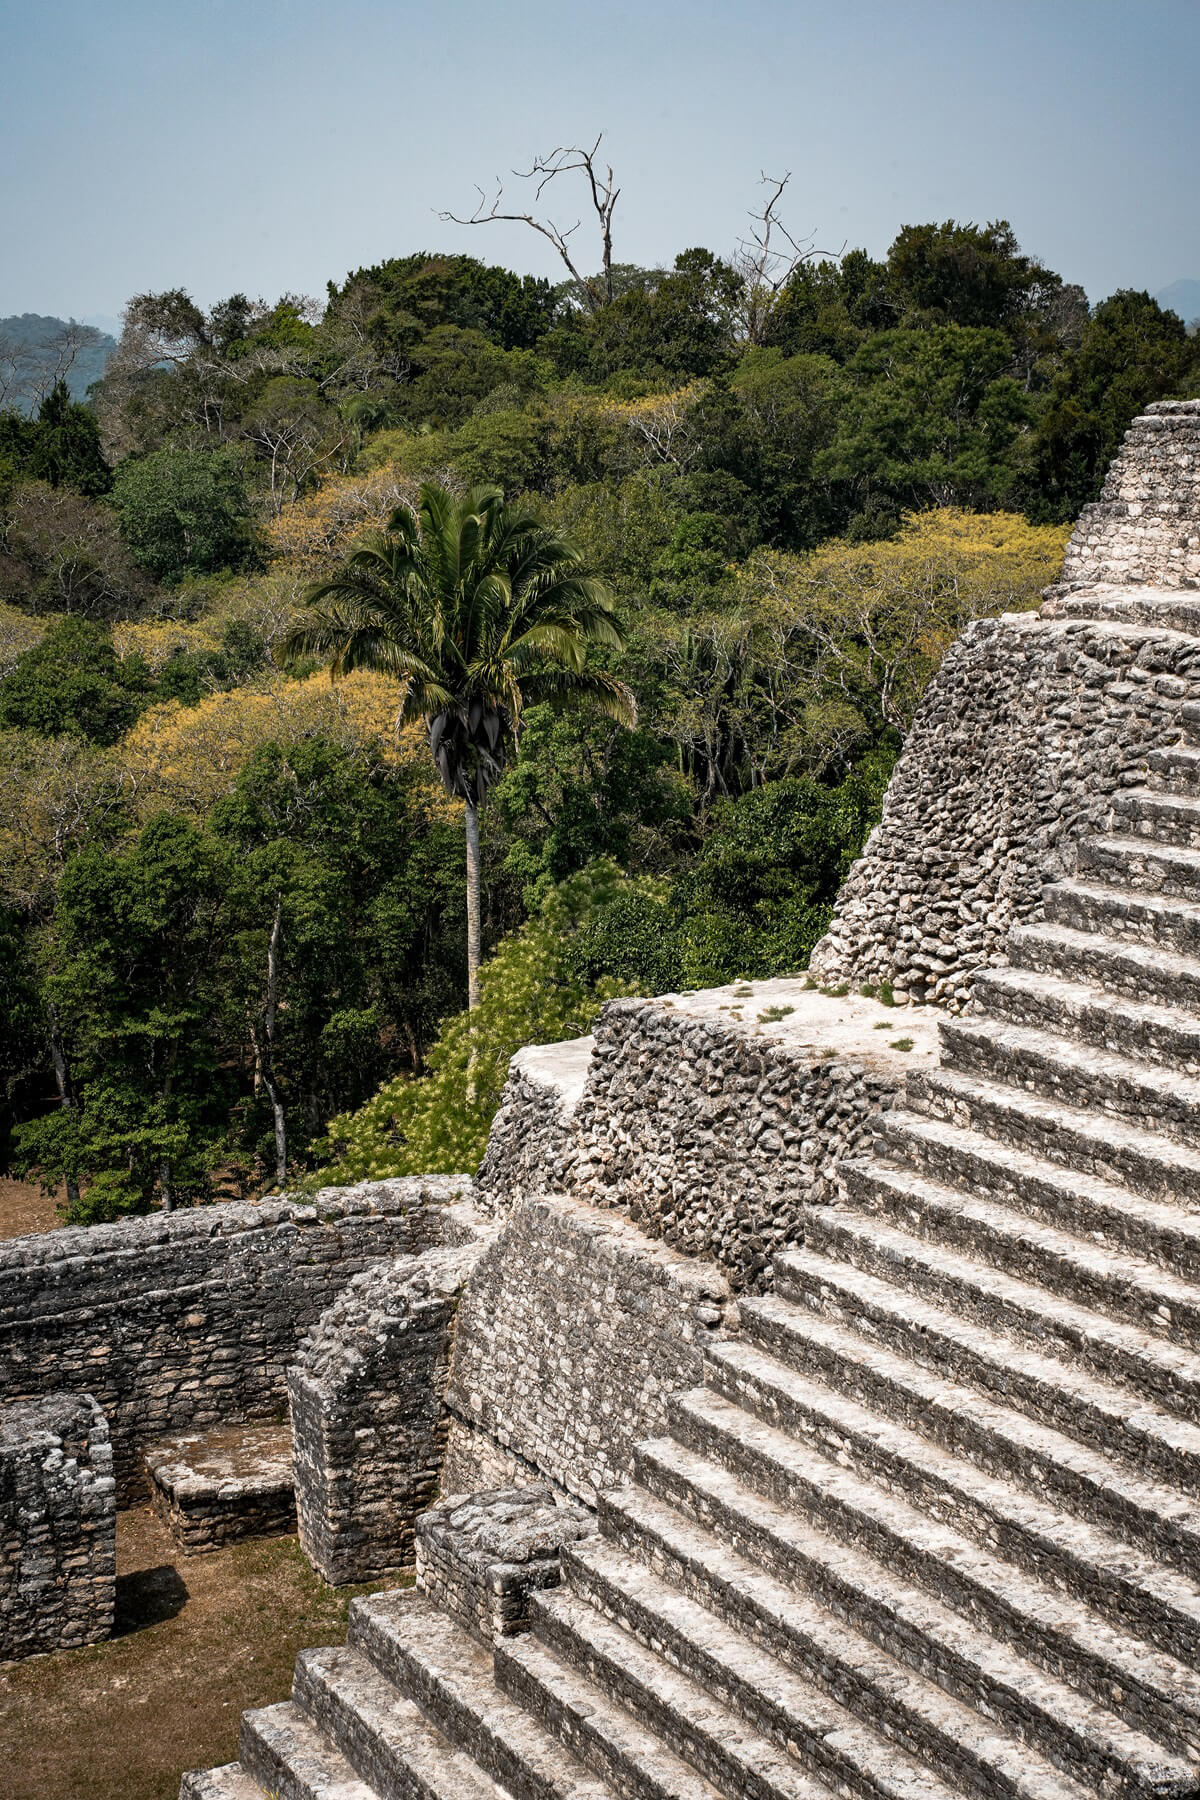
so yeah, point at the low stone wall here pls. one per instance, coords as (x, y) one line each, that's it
(57, 1525)
(480, 1556)
(572, 1334)
(710, 1120)
(188, 1320)
(1031, 724)
(368, 1423)
(1145, 528)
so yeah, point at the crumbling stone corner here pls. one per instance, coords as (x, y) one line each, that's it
(58, 1519)
(368, 1421)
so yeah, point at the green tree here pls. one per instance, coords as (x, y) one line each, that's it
(139, 985)
(73, 683)
(66, 447)
(1130, 352)
(481, 612)
(184, 512)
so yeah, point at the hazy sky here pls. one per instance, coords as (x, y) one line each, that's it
(262, 146)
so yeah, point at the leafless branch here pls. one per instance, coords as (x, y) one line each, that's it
(764, 267)
(594, 291)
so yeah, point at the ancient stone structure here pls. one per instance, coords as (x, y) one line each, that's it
(927, 1524)
(711, 1119)
(187, 1321)
(212, 1488)
(1144, 531)
(368, 1420)
(57, 1525)
(1034, 726)
(572, 1335)
(482, 1556)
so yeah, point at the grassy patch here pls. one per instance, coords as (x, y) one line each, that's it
(901, 1044)
(199, 1640)
(770, 1015)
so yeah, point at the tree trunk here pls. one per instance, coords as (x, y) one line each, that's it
(274, 944)
(472, 905)
(66, 1099)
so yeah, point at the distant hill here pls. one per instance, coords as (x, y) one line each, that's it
(1183, 297)
(33, 346)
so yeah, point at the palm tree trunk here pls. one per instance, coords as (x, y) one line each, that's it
(472, 904)
(269, 1081)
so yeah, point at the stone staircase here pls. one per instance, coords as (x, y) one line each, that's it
(931, 1527)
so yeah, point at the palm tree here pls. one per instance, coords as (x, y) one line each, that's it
(481, 612)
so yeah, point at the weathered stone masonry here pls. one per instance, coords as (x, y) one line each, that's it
(368, 1421)
(189, 1320)
(1032, 725)
(572, 1334)
(1145, 528)
(57, 1525)
(707, 1129)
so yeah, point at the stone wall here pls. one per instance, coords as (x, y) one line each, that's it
(57, 1525)
(1145, 528)
(533, 1133)
(573, 1332)
(188, 1320)
(1029, 727)
(368, 1423)
(706, 1119)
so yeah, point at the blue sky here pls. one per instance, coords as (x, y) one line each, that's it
(262, 146)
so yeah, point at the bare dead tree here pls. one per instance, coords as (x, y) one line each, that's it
(769, 257)
(594, 291)
(29, 372)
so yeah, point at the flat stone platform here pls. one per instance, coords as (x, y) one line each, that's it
(212, 1488)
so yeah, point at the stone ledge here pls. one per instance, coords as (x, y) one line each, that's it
(214, 1488)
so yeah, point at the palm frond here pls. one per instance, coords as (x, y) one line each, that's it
(561, 688)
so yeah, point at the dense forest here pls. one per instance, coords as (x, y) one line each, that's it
(231, 890)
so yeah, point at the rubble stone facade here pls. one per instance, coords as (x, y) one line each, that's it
(57, 1525)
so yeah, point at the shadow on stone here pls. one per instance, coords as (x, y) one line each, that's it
(147, 1597)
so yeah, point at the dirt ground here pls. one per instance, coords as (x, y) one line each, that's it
(198, 1640)
(24, 1207)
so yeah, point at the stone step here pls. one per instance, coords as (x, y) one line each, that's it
(286, 1754)
(1167, 817)
(1115, 912)
(798, 1674)
(1075, 1074)
(1145, 972)
(968, 1421)
(1051, 1389)
(1165, 1373)
(384, 1737)
(229, 1782)
(1090, 1142)
(1140, 864)
(1126, 1584)
(832, 1609)
(1115, 1282)
(1104, 1212)
(603, 1735)
(432, 1661)
(1055, 1626)
(698, 1722)
(1176, 766)
(1092, 1014)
